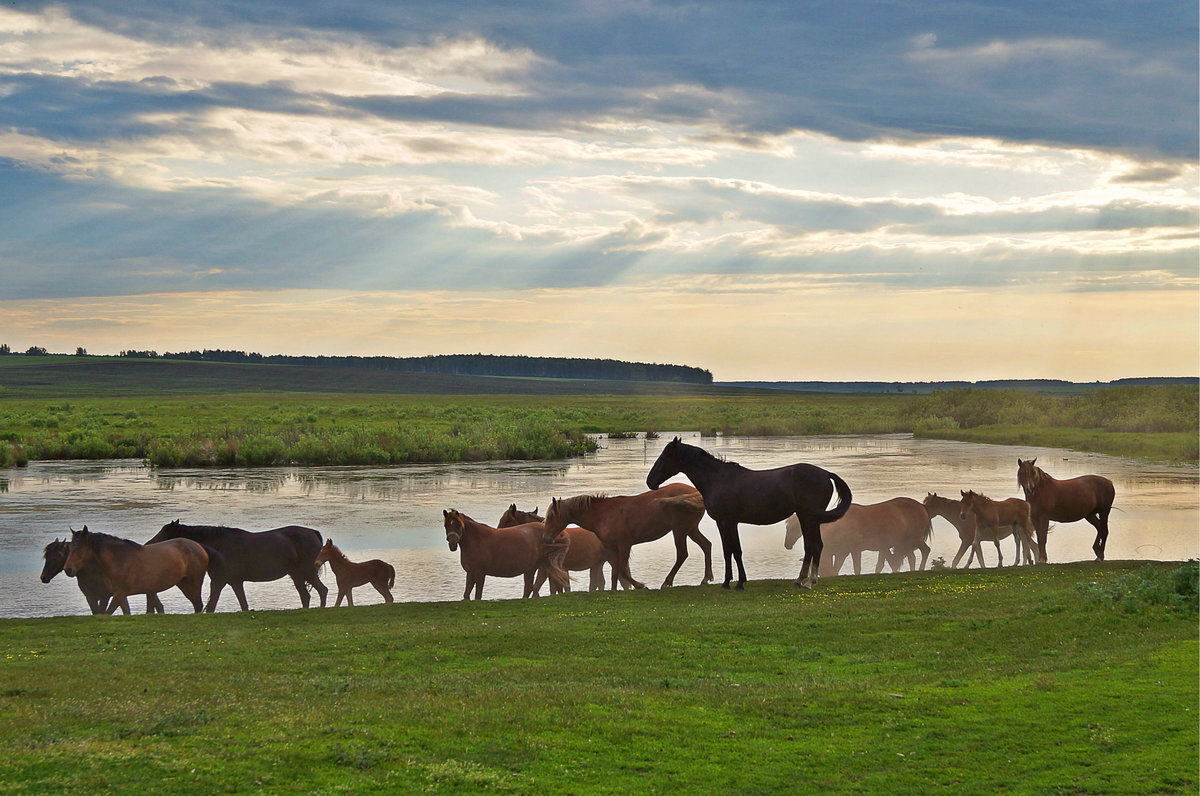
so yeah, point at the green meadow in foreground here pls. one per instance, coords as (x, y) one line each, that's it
(1078, 678)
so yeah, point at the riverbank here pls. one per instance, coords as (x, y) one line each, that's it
(1059, 678)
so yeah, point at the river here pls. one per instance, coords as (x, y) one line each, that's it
(395, 513)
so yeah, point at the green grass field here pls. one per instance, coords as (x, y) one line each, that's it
(1063, 679)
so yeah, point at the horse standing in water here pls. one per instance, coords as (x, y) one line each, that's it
(90, 582)
(622, 521)
(734, 494)
(585, 552)
(130, 568)
(503, 552)
(895, 528)
(1088, 497)
(349, 574)
(951, 511)
(991, 515)
(261, 556)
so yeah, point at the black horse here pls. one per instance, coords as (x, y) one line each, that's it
(90, 582)
(259, 556)
(733, 493)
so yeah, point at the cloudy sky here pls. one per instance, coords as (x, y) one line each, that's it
(900, 190)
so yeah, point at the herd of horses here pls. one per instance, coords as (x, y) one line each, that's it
(587, 532)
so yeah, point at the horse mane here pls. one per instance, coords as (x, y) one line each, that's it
(206, 530)
(96, 538)
(336, 552)
(579, 503)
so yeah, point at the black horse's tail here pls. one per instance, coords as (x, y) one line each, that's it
(216, 565)
(843, 505)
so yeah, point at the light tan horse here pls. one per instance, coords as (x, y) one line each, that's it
(991, 515)
(130, 568)
(585, 553)
(503, 552)
(949, 510)
(625, 520)
(349, 574)
(895, 529)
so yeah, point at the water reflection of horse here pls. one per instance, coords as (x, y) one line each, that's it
(734, 494)
(259, 556)
(895, 529)
(349, 574)
(503, 552)
(130, 568)
(951, 511)
(1088, 497)
(90, 582)
(585, 552)
(992, 515)
(621, 521)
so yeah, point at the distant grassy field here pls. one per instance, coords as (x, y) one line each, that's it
(197, 414)
(1078, 678)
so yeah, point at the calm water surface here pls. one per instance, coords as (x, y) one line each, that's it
(395, 513)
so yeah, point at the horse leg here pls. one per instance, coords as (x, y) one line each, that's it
(470, 583)
(596, 578)
(1041, 524)
(315, 580)
(381, 587)
(193, 589)
(301, 589)
(542, 575)
(118, 600)
(124, 605)
(214, 593)
(977, 551)
(479, 586)
(999, 555)
(1100, 523)
(681, 555)
(962, 548)
(153, 604)
(813, 546)
(349, 596)
(623, 557)
(925, 550)
(885, 556)
(529, 585)
(705, 547)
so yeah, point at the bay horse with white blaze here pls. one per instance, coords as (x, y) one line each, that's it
(349, 574)
(130, 568)
(734, 494)
(503, 552)
(90, 581)
(585, 553)
(1088, 497)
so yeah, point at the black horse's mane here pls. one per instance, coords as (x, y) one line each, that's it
(696, 449)
(206, 530)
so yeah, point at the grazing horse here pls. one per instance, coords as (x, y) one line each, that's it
(733, 494)
(1088, 497)
(622, 521)
(261, 556)
(504, 552)
(91, 582)
(950, 510)
(991, 515)
(130, 568)
(895, 528)
(349, 574)
(586, 551)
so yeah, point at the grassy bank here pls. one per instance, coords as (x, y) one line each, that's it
(1056, 679)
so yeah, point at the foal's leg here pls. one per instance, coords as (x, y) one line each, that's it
(681, 555)
(962, 548)
(349, 595)
(626, 575)
(705, 547)
(381, 587)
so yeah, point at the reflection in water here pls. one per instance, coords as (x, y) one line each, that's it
(395, 513)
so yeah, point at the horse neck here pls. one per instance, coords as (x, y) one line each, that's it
(336, 558)
(473, 532)
(701, 467)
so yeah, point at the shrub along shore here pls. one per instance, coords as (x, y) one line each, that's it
(1075, 678)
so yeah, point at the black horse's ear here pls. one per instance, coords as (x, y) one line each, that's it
(85, 530)
(445, 513)
(676, 440)
(535, 508)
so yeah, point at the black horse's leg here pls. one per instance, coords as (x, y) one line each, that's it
(301, 589)
(313, 578)
(737, 556)
(727, 543)
(214, 593)
(811, 532)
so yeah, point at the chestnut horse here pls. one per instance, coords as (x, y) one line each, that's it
(504, 552)
(259, 556)
(349, 574)
(586, 551)
(130, 568)
(1088, 497)
(991, 515)
(625, 520)
(734, 494)
(91, 582)
(949, 510)
(895, 528)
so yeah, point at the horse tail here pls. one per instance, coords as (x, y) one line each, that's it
(391, 576)
(844, 498)
(555, 553)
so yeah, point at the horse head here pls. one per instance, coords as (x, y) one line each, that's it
(1028, 476)
(666, 465)
(966, 505)
(169, 531)
(55, 554)
(554, 522)
(323, 553)
(455, 527)
(80, 553)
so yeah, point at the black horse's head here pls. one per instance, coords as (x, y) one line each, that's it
(55, 554)
(666, 465)
(169, 531)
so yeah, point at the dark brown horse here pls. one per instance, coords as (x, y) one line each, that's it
(585, 553)
(349, 574)
(130, 568)
(625, 520)
(91, 582)
(734, 494)
(503, 552)
(992, 515)
(1088, 497)
(951, 511)
(895, 529)
(262, 556)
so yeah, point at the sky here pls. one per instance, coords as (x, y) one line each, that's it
(774, 191)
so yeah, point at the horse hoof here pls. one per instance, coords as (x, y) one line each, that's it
(724, 585)
(741, 587)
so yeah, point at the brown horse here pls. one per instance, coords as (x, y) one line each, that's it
(991, 515)
(130, 568)
(349, 574)
(895, 528)
(949, 510)
(586, 551)
(91, 583)
(1088, 497)
(504, 552)
(625, 520)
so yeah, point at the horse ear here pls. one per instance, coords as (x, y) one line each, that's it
(535, 509)
(964, 494)
(445, 513)
(1033, 461)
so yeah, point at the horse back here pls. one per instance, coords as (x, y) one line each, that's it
(1074, 498)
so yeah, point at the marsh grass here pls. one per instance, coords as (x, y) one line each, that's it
(970, 682)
